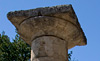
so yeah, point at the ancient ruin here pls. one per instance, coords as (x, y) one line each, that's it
(50, 31)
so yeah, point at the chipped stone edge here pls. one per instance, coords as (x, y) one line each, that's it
(40, 11)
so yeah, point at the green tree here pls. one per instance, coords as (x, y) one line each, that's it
(69, 56)
(17, 50)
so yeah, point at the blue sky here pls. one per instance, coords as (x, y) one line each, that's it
(87, 11)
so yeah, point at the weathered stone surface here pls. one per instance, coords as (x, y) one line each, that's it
(50, 31)
(58, 21)
(49, 48)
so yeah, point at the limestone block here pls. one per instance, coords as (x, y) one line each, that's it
(59, 21)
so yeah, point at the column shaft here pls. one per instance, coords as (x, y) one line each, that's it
(49, 48)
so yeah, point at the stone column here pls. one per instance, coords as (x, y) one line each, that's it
(49, 48)
(50, 31)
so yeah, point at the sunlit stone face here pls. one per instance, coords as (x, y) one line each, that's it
(58, 21)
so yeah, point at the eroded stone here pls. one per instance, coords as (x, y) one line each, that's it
(59, 21)
(50, 31)
(49, 48)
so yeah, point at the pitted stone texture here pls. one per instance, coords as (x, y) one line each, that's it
(60, 21)
(44, 25)
(61, 11)
(49, 48)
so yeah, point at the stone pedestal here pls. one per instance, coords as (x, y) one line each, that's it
(49, 48)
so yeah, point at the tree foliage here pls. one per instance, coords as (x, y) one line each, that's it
(69, 56)
(17, 50)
